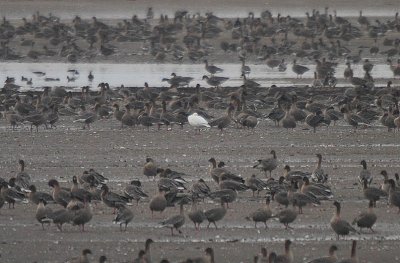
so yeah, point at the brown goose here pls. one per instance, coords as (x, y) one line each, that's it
(300, 199)
(158, 203)
(196, 215)
(10, 195)
(134, 191)
(219, 173)
(150, 168)
(22, 179)
(267, 165)
(261, 214)
(60, 196)
(61, 217)
(208, 258)
(111, 199)
(42, 213)
(288, 122)
(288, 256)
(200, 189)
(213, 215)
(256, 184)
(332, 258)
(385, 186)
(340, 227)
(79, 193)
(286, 217)
(117, 112)
(367, 218)
(372, 194)
(353, 258)
(315, 120)
(147, 249)
(35, 196)
(176, 221)
(299, 69)
(128, 118)
(394, 196)
(223, 122)
(319, 174)
(81, 216)
(124, 216)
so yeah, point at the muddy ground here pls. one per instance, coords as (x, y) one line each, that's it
(120, 155)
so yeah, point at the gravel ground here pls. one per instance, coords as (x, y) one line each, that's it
(120, 155)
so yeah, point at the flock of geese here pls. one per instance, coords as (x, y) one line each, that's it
(294, 191)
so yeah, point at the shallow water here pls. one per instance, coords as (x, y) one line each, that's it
(135, 75)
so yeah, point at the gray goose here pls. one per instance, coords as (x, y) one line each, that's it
(200, 189)
(300, 199)
(218, 172)
(117, 112)
(213, 215)
(262, 214)
(267, 165)
(158, 203)
(288, 122)
(354, 119)
(286, 216)
(332, 258)
(111, 199)
(214, 81)
(339, 226)
(366, 219)
(212, 69)
(81, 215)
(319, 191)
(175, 222)
(290, 175)
(365, 174)
(224, 121)
(124, 216)
(83, 258)
(316, 119)
(134, 191)
(371, 193)
(128, 118)
(225, 195)
(61, 217)
(150, 168)
(22, 179)
(299, 69)
(34, 196)
(256, 184)
(394, 196)
(196, 215)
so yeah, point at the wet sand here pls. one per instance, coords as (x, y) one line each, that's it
(120, 154)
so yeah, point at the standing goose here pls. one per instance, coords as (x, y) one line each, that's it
(319, 174)
(134, 191)
(214, 81)
(158, 203)
(348, 72)
(87, 117)
(22, 178)
(261, 214)
(319, 191)
(61, 217)
(150, 168)
(196, 215)
(371, 193)
(288, 122)
(353, 258)
(60, 196)
(79, 193)
(365, 174)
(288, 256)
(394, 196)
(332, 258)
(124, 216)
(176, 221)
(286, 216)
(81, 216)
(354, 119)
(366, 219)
(128, 118)
(208, 258)
(256, 184)
(197, 121)
(300, 199)
(385, 186)
(43, 213)
(340, 227)
(298, 114)
(217, 172)
(35, 196)
(200, 189)
(83, 258)
(213, 215)
(316, 119)
(111, 199)
(224, 121)
(212, 69)
(117, 112)
(267, 165)
(299, 69)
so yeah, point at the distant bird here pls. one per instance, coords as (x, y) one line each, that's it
(175, 222)
(197, 121)
(286, 217)
(299, 69)
(150, 168)
(367, 218)
(90, 76)
(332, 258)
(42, 213)
(212, 69)
(262, 214)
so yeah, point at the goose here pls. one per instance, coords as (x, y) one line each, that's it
(128, 118)
(354, 119)
(79, 193)
(288, 256)
(196, 215)
(299, 69)
(175, 222)
(298, 176)
(60, 196)
(300, 199)
(87, 117)
(319, 191)
(315, 120)
(212, 69)
(90, 76)
(158, 203)
(82, 215)
(35, 196)
(286, 217)
(61, 217)
(124, 216)
(111, 199)
(42, 213)
(348, 72)
(261, 214)
(226, 195)
(200, 189)
(332, 258)
(267, 165)
(339, 226)
(256, 184)
(288, 122)
(371, 193)
(214, 215)
(150, 168)
(353, 258)
(319, 175)
(366, 219)
(224, 121)
(134, 191)
(208, 258)
(197, 121)
(394, 196)
(22, 179)
(214, 81)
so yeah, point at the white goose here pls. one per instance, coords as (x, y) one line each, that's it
(198, 121)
